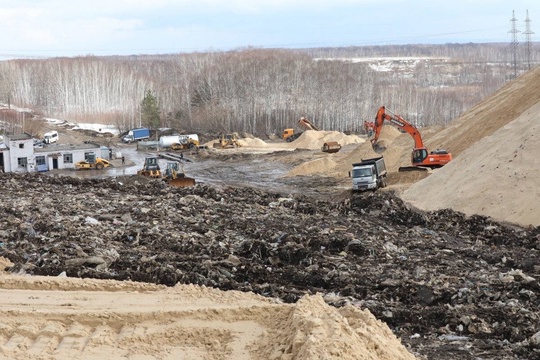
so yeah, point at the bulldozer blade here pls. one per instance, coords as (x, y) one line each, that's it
(412, 168)
(182, 182)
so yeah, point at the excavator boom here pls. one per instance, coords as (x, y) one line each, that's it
(420, 155)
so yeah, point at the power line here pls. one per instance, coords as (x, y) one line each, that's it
(528, 43)
(514, 43)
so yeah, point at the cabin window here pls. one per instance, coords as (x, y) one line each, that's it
(21, 146)
(68, 158)
(40, 160)
(22, 162)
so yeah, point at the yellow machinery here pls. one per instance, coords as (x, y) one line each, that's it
(186, 142)
(175, 177)
(227, 141)
(290, 135)
(150, 168)
(172, 174)
(331, 147)
(98, 164)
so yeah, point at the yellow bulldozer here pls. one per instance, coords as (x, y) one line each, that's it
(227, 141)
(172, 174)
(98, 164)
(150, 168)
(175, 177)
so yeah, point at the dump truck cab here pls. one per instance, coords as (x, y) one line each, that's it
(369, 174)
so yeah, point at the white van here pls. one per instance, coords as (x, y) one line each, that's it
(50, 137)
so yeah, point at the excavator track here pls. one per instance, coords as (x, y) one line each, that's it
(412, 168)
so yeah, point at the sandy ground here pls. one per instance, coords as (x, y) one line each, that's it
(67, 318)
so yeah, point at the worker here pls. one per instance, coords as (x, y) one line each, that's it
(123, 160)
(110, 154)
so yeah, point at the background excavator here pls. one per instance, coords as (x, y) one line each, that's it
(421, 158)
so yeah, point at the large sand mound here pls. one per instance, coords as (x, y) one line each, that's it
(496, 111)
(499, 176)
(68, 318)
(313, 139)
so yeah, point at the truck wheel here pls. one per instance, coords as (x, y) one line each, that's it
(99, 166)
(384, 183)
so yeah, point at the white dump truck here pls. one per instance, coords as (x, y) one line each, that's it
(369, 174)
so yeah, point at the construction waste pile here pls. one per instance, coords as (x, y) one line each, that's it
(448, 286)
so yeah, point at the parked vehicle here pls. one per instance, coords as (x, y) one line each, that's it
(369, 174)
(331, 147)
(50, 137)
(136, 135)
(289, 135)
(98, 164)
(38, 144)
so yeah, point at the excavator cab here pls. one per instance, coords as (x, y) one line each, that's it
(418, 156)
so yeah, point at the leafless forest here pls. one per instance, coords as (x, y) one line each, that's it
(261, 91)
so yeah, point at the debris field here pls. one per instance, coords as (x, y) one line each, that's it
(449, 286)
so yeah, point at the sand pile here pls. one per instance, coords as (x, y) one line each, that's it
(318, 166)
(315, 330)
(66, 318)
(339, 164)
(313, 140)
(499, 176)
(252, 142)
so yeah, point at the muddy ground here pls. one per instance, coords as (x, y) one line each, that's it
(449, 286)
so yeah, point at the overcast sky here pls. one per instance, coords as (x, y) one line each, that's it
(51, 28)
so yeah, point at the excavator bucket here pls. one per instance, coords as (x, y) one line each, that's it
(182, 182)
(378, 148)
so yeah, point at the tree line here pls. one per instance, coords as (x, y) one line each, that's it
(261, 91)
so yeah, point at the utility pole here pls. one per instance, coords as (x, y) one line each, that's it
(528, 43)
(514, 43)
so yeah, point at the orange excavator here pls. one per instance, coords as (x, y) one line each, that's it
(420, 157)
